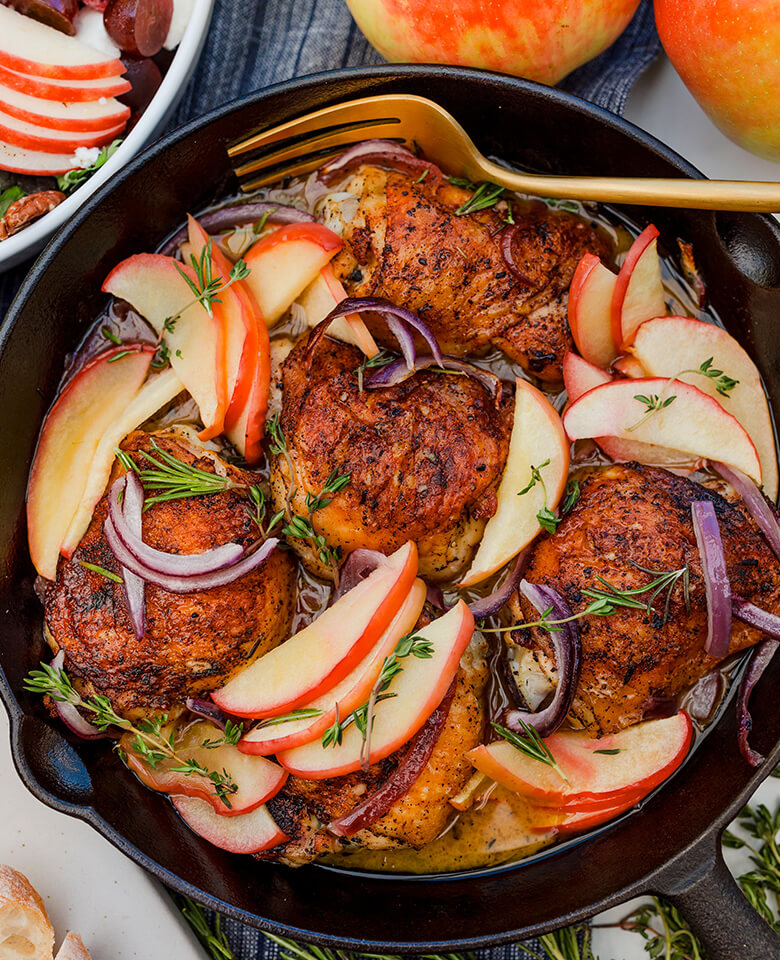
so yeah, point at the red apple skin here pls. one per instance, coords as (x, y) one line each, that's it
(635, 251)
(249, 833)
(727, 53)
(541, 40)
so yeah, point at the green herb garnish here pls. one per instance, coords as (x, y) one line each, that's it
(74, 178)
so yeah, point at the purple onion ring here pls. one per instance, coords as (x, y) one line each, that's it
(239, 215)
(759, 659)
(70, 716)
(755, 502)
(491, 604)
(568, 663)
(358, 565)
(380, 153)
(133, 587)
(716, 578)
(398, 371)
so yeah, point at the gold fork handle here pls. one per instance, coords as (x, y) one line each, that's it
(747, 195)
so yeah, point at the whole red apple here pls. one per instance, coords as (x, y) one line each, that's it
(537, 39)
(728, 55)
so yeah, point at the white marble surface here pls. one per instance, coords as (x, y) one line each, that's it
(121, 912)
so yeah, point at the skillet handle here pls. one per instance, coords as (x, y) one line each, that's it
(704, 891)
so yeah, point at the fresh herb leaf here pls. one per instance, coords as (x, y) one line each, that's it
(110, 335)
(302, 528)
(422, 176)
(101, 570)
(172, 479)
(529, 743)
(8, 196)
(571, 497)
(486, 195)
(214, 942)
(609, 753)
(74, 178)
(569, 206)
(305, 713)
(380, 359)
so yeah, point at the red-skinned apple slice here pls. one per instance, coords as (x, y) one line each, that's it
(285, 262)
(640, 757)
(31, 136)
(248, 395)
(92, 115)
(590, 311)
(323, 653)
(537, 435)
(565, 821)
(93, 399)
(693, 424)
(320, 297)
(346, 696)
(669, 345)
(64, 91)
(419, 688)
(155, 287)
(249, 833)
(35, 163)
(579, 376)
(256, 779)
(48, 52)
(639, 292)
(154, 394)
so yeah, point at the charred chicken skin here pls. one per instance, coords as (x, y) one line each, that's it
(628, 517)
(194, 642)
(406, 243)
(304, 808)
(424, 458)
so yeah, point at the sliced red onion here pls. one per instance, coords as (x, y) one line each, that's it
(402, 779)
(754, 616)
(507, 244)
(490, 605)
(716, 578)
(182, 584)
(756, 503)
(206, 709)
(358, 565)
(133, 587)
(760, 658)
(377, 153)
(70, 716)
(398, 319)
(568, 663)
(239, 215)
(398, 371)
(170, 564)
(435, 596)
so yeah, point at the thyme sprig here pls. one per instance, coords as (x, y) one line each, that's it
(486, 195)
(173, 478)
(547, 519)
(277, 447)
(302, 528)
(380, 359)
(529, 743)
(363, 717)
(723, 385)
(257, 511)
(149, 739)
(652, 404)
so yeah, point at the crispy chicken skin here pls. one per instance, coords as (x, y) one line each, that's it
(193, 642)
(627, 515)
(424, 458)
(406, 243)
(303, 808)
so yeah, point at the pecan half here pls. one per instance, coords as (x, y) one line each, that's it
(29, 208)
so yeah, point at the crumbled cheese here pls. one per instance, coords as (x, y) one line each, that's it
(182, 13)
(85, 157)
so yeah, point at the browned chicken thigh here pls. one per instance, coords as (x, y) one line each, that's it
(194, 642)
(304, 808)
(406, 243)
(629, 517)
(424, 458)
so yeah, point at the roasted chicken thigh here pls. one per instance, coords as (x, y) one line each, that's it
(631, 524)
(424, 458)
(406, 242)
(194, 642)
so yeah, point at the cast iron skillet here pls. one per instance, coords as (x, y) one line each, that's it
(672, 845)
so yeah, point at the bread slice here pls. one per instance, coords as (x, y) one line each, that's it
(25, 930)
(73, 948)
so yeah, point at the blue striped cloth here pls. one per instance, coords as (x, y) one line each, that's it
(253, 43)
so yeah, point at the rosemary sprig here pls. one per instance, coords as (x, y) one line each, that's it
(206, 286)
(547, 519)
(302, 528)
(363, 717)
(214, 942)
(173, 478)
(564, 945)
(305, 713)
(486, 195)
(529, 743)
(380, 359)
(763, 882)
(149, 739)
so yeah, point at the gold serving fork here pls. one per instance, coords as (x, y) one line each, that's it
(302, 145)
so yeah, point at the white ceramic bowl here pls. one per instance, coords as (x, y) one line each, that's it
(31, 240)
